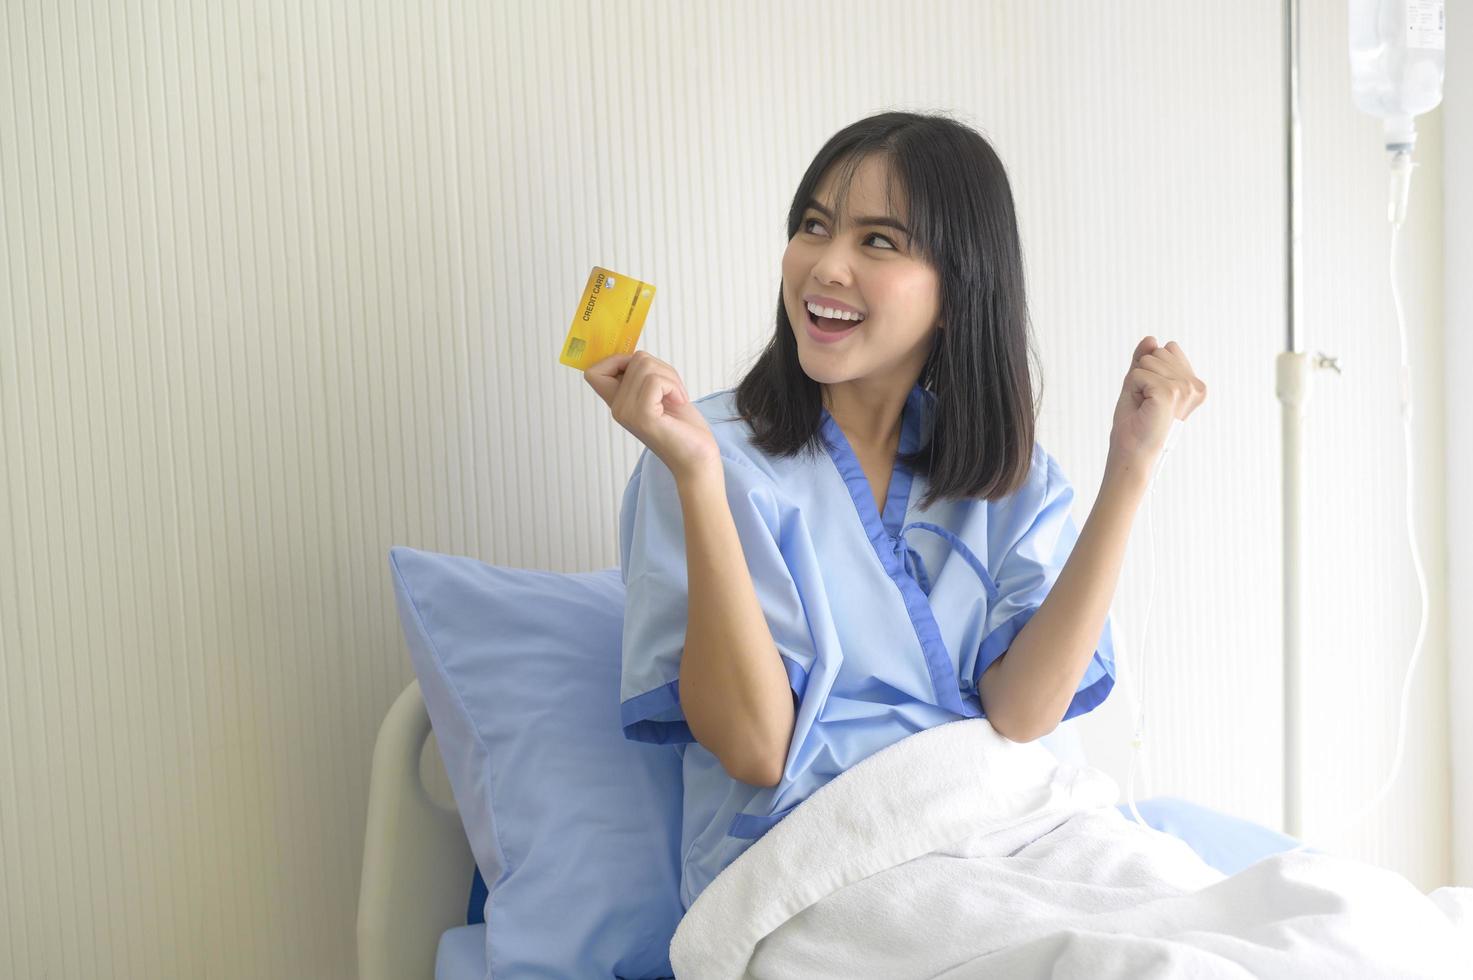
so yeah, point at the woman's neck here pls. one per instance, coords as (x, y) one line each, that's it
(869, 411)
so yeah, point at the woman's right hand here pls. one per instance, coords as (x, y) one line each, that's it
(647, 397)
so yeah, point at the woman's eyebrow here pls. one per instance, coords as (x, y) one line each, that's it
(878, 219)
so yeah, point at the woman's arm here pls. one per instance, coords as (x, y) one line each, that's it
(1026, 691)
(1032, 684)
(733, 687)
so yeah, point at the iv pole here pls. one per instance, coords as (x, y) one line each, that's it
(1293, 369)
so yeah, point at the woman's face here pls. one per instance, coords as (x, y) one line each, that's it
(852, 262)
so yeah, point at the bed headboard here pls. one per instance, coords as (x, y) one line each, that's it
(416, 860)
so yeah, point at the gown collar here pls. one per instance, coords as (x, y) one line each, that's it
(898, 496)
(887, 530)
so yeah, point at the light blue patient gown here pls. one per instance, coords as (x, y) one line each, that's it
(884, 621)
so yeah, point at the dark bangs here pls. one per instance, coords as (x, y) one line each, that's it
(963, 223)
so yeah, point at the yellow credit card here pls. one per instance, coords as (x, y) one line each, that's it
(608, 320)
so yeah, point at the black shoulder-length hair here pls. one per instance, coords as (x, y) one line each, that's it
(963, 223)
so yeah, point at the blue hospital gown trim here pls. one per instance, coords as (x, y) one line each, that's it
(751, 826)
(637, 715)
(957, 545)
(887, 538)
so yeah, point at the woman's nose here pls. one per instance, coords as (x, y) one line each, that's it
(833, 265)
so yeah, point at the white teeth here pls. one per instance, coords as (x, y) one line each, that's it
(833, 314)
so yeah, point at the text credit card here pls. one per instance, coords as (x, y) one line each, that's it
(608, 319)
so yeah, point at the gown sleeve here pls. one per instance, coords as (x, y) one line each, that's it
(653, 567)
(1035, 531)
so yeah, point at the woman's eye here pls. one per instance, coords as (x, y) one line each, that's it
(808, 222)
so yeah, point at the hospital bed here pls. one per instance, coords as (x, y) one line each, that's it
(417, 864)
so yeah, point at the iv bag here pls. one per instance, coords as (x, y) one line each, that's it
(1397, 49)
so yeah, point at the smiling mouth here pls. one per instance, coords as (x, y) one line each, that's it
(829, 324)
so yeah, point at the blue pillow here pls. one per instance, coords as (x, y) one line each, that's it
(520, 674)
(1227, 843)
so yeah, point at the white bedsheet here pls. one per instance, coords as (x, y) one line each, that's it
(956, 853)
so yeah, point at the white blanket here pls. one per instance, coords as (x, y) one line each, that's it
(956, 853)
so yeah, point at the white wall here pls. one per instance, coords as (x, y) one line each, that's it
(284, 286)
(1458, 367)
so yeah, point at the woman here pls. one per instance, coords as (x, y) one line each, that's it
(863, 540)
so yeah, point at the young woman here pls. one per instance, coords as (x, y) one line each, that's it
(863, 540)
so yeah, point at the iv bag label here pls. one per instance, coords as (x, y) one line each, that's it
(1426, 27)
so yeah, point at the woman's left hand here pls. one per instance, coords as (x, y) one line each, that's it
(1158, 388)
